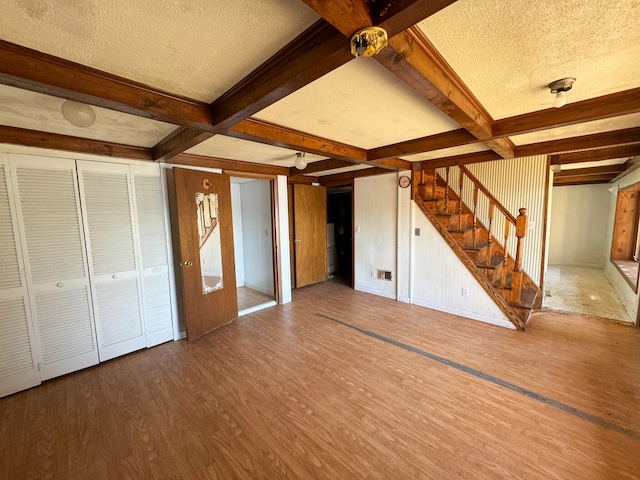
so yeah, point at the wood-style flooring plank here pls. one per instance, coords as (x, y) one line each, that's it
(288, 393)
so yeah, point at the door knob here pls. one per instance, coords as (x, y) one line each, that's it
(297, 240)
(186, 264)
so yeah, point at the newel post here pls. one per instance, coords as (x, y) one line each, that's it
(521, 231)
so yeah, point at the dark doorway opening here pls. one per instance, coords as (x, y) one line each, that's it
(340, 234)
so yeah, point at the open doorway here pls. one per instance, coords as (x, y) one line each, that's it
(253, 238)
(575, 279)
(340, 234)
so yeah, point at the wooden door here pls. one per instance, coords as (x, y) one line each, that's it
(203, 201)
(310, 234)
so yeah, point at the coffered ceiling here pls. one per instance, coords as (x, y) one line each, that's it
(255, 81)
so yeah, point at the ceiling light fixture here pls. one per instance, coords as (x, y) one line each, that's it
(300, 162)
(78, 114)
(560, 88)
(368, 41)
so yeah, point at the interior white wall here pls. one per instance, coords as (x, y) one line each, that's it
(627, 295)
(236, 210)
(282, 224)
(405, 234)
(439, 277)
(257, 235)
(578, 228)
(375, 238)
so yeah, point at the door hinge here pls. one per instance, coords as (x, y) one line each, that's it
(39, 366)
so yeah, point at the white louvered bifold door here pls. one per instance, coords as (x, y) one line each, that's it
(50, 223)
(110, 231)
(152, 234)
(18, 358)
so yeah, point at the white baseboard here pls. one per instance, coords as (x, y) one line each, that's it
(500, 322)
(373, 291)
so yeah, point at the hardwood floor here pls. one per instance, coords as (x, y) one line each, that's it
(247, 298)
(394, 391)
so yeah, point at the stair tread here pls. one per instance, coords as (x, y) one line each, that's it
(479, 246)
(527, 299)
(495, 262)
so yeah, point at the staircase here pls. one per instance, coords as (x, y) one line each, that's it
(477, 245)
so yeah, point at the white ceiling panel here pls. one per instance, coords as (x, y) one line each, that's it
(195, 48)
(446, 152)
(359, 104)
(507, 51)
(231, 148)
(587, 128)
(34, 111)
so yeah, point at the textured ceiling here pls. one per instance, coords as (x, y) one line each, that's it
(507, 51)
(359, 104)
(235, 149)
(195, 48)
(34, 111)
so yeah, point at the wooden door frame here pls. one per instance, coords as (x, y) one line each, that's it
(275, 225)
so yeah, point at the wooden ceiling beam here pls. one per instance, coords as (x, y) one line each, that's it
(349, 16)
(33, 138)
(608, 153)
(439, 141)
(412, 58)
(228, 165)
(398, 15)
(596, 140)
(607, 106)
(317, 51)
(585, 172)
(460, 160)
(393, 164)
(583, 180)
(347, 178)
(39, 72)
(270, 134)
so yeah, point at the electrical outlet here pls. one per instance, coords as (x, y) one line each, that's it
(465, 292)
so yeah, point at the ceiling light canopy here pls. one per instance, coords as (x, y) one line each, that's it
(368, 41)
(560, 87)
(300, 162)
(78, 114)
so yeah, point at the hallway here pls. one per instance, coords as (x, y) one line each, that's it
(582, 290)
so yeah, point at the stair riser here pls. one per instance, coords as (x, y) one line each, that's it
(458, 221)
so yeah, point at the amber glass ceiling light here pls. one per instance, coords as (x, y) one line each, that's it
(560, 88)
(78, 114)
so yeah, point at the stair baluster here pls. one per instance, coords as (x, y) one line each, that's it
(446, 191)
(434, 185)
(475, 214)
(460, 184)
(505, 261)
(422, 186)
(490, 235)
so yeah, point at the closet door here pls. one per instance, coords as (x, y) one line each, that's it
(152, 231)
(57, 276)
(18, 358)
(107, 207)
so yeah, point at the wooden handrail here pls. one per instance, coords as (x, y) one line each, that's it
(492, 199)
